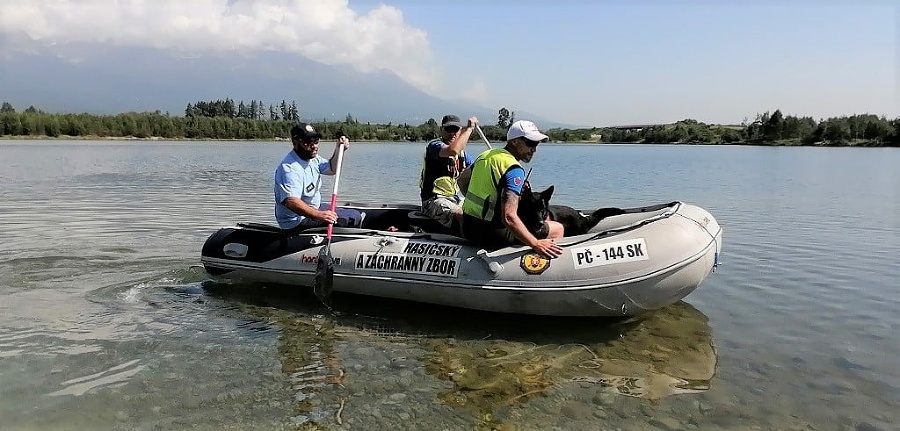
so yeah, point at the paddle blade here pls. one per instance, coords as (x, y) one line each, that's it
(324, 274)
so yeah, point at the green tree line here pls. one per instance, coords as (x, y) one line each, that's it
(210, 120)
(766, 129)
(255, 110)
(225, 119)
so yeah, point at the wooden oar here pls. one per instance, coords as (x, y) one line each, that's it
(325, 264)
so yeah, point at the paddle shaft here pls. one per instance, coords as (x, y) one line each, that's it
(334, 192)
(478, 128)
(325, 264)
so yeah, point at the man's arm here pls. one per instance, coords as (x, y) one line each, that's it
(299, 207)
(509, 211)
(509, 208)
(287, 187)
(457, 145)
(332, 162)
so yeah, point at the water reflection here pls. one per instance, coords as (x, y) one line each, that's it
(663, 354)
(305, 344)
(474, 363)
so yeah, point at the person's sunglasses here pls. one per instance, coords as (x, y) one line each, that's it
(529, 143)
(310, 142)
(451, 129)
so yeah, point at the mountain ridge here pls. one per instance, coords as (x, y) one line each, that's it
(101, 79)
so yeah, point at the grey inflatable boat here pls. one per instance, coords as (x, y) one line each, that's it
(640, 260)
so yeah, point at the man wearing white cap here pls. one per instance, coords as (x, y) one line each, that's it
(490, 216)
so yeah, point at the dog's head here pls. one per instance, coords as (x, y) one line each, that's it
(534, 207)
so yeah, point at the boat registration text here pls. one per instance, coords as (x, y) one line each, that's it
(408, 264)
(631, 250)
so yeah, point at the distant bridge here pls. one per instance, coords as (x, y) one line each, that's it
(636, 126)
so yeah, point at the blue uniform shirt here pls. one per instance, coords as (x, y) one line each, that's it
(298, 178)
(433, 149)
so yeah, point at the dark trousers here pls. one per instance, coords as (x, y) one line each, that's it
(346, 218)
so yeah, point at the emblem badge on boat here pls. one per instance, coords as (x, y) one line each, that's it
(534, 263)
(316, 239)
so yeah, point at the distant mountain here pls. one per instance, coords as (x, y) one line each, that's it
(103, 79)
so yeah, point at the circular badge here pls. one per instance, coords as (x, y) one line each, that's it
(534, 263)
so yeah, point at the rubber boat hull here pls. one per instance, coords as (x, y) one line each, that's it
(642, 260)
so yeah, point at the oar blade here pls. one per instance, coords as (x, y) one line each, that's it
(324, 274)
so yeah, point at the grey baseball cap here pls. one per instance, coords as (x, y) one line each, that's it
(451, 120)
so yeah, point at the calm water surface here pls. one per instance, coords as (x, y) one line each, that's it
(106, 322)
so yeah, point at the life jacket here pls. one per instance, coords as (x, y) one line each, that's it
(483, 196)
(439, 175)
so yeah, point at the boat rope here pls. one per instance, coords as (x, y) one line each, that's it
(714, 240)
(635, 225)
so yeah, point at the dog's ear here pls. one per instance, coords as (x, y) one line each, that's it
(547, 193)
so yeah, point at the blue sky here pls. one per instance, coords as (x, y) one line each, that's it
(594, 63)
(626, 62)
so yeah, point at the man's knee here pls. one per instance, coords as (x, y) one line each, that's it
(442, 210)
(555, 229)
(349, 217)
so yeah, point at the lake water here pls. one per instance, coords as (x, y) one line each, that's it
(106, 321)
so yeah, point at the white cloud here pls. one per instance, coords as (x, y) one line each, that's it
(475, 91)
(328, 31)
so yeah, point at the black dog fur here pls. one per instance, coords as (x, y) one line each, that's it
(534, 208)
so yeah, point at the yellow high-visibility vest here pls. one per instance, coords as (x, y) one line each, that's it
(483, 196)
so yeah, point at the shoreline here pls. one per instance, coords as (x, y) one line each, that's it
(133, 138)
(785, 143)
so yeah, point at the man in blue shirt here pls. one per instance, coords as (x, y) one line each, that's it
(298, 183)
(444, 159)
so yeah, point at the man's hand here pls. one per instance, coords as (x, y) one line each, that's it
(473, 121)
(329, 217)
(343, 140)
(548, 248)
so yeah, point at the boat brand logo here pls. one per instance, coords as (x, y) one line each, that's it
(432, 249)
(534, 263)
(631, 250)
(315, 259)
(407, 264)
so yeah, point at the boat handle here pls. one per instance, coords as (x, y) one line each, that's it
(384, 242)
(493, 265)
(235, 250)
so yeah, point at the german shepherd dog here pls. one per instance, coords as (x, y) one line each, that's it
(534, 208)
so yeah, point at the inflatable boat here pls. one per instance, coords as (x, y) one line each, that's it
(642, 259)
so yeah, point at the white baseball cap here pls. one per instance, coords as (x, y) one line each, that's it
(525, 128)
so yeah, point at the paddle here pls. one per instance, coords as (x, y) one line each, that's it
(325, 264)
(478, 128)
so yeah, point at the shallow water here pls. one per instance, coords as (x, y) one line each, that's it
(107, 322)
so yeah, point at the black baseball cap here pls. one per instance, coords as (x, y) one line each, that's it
(304, 131)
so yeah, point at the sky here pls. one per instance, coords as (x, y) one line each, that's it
(584, 62)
